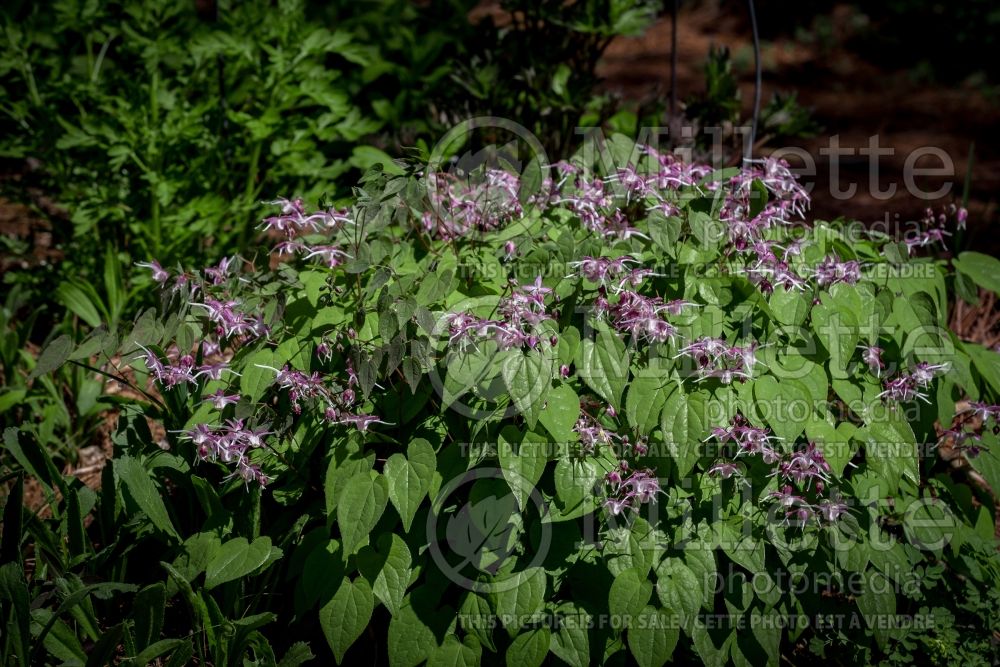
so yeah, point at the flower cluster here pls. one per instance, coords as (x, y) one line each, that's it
(180, 368)
(748, 439)
(673, 173)
(805, 469)
(600, 206)
(293, 224)
(796, 507)
(300, 386)
(627, 490)
(725, 469)
(968, 437)
(603, 206)
(593, 205)
(768, 269)
(160, 274)
(231, 321)
(638, 315)
(520, 313)
(985, 411)
(294, 220)
(231, 443)
(337, 404)
(787, 200)
(931, 228)
(961, 441)
(461, 205)
(608, 272)
(906, 386)
(594, 436)
(226, 312)
(628, 311)
(184, 282)
(832, 271)
(872, 356)
(715, 358)
(220, 399)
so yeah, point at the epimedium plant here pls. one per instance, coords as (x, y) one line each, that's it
(618, 408)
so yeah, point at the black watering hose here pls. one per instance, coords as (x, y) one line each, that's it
(748, 154)
(673, 58)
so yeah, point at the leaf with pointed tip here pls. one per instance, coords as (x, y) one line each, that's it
(700, 559)
(297, 654)
(787, 406)
(528, 377)
(652, 642)
(603, 363)
(837, 328)
(475, 617)
(629, 594)
(138, 483)
(453, 653)
(257, 374)
(571, 642)
(877, 603)
(575, 480)
(522, 460)
(346, 616)
(391, 575)
(684, 426)
(411, 641)
(529, 648)
(237, 558)
(983, 269)
(13, 588)
(53, 356)
(520, 597)
(679, 589)
(358, 509)
(560, 414)
(789, 306)
(147, 614)
(647, 394)
(891, 449)
(407, 487)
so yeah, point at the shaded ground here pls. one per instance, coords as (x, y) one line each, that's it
(851, 98)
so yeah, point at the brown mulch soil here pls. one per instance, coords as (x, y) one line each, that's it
(850, 97)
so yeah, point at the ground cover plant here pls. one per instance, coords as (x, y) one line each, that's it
(620, 408)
